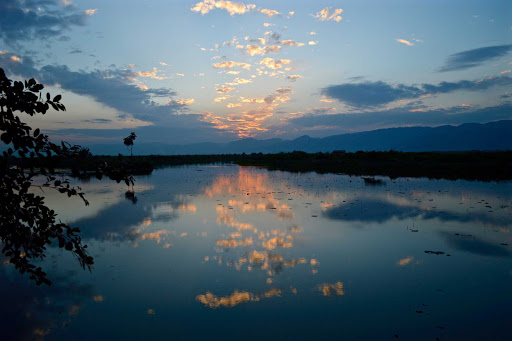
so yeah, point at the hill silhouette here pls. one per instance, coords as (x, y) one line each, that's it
(465, 137)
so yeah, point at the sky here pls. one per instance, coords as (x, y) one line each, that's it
(182, 71)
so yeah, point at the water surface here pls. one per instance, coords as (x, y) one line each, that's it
(228, 252)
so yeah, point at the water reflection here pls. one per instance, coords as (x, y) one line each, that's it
(242, 244)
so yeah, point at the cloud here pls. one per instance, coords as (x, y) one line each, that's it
(371, 94)
(293, 78)
(258, 50)
(251, 122)
(406, 42)
(231, 7)
(112, 87)
(472, 58)
(91, 11)
(22, 20)
(326, 14)
(275, 64)
(291, 43)
(185, 101)
(231, 64)
(238, 81)
(224, 89)
(97, 120)
(221, 98)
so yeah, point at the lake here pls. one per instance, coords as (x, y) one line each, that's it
(229, 252)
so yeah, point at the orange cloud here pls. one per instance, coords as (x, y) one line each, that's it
(326, 14)
(403, 41)
(231, 64)
(275, 64)
(224, 89)
(291, 43)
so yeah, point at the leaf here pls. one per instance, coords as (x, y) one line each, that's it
(57, 98)
(47, 96)
(6, 138)
(36, 132)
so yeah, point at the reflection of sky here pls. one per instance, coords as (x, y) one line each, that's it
(242, 244)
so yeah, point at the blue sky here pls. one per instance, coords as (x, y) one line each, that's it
(189, 71)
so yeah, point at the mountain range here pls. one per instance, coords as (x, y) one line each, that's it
(470, 136)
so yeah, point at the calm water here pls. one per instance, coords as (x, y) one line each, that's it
(224, 252)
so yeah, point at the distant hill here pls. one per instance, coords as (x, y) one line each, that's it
(469, 136)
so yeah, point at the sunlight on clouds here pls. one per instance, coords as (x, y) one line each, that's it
(152, 74)
(275, 64)
(238, 81)
(403, 41)
(312, 42)
(269, 12)
(231, 64)
(15, 59)
(326, 14)
(258, 50)
(91, 11)
(233, 105)
(291, 43)
(224, 89)
(220, 99)
(232, 8)
(185, 101)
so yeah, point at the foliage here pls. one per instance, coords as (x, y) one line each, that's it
(128, 141)
(27, 225)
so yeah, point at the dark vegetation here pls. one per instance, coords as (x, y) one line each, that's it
(484, 166)
(27, 225)
(129, 140)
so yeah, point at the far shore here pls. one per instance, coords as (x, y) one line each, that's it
(472, 165)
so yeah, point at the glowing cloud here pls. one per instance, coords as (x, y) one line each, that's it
(231, 7)
(326, 14)
(230, 64)
(224, 89)
(258, 50)
(275, 64)
(268, 12)
(185, 101)
(403, 41)
(291, 43)
(238, 81)
(91, 11)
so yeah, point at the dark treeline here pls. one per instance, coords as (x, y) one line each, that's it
(475, 165)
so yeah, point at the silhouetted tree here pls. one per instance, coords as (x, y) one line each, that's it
(128, 142)
(27, 225)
